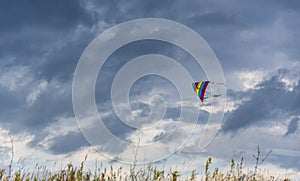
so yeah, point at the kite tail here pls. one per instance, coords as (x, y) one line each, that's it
(216, 83)
(216, 95)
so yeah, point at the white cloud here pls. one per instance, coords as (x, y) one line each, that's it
(291, 78)
(38, 90)
(5, 147)
(15, 77)
(250, 79)
(244, 142)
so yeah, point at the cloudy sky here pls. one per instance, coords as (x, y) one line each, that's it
(256, 43)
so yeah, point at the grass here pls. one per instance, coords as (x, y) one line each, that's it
(149, 173)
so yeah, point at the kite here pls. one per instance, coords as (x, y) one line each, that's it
(200, 89)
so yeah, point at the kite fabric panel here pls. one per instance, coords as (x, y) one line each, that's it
(200, 89)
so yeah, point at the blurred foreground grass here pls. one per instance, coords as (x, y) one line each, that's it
(149, 173)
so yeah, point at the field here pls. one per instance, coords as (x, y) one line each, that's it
(148, 173)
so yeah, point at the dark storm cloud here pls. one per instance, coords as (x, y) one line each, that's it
(68, 143)
(43, 37)
(293, 126)
(11, 100)
(119, 58)
(34, 26)
(249, 29)
(50, 54)
(49, 37)
(270, 100)
(40, 35)
(16, 15)
(45, 111)
(233, 29)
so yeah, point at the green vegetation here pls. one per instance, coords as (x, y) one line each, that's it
(148, 173)
(72, 173)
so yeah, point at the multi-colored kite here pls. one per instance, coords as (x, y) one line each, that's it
(200, 89)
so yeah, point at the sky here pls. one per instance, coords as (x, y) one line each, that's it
(255, 42)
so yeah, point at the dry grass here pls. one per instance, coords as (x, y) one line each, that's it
(150, 173)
